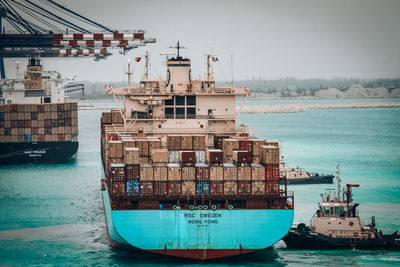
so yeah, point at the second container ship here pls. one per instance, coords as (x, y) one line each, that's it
(182, 178)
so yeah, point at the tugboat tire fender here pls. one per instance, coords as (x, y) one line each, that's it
(313, 229)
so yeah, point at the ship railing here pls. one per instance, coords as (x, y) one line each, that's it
(183, 116)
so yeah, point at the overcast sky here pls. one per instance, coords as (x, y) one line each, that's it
(268, 39)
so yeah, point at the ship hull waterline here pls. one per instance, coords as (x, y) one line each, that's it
(197, 234)
(37, 152)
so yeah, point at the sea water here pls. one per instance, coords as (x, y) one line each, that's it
(53, 215)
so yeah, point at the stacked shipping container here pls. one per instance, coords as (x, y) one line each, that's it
(255, 172)
(38, 122)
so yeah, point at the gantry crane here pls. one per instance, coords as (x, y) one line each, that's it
(44, 28)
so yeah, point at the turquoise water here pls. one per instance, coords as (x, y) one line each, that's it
(53, 215)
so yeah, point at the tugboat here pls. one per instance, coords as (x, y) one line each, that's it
(337, 225)
(300, 176)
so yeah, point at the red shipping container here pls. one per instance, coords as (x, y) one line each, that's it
(132, 172)
(217, 188)
(14, 108)
(215, 157)
(272, 172)
(27, 124)
(202, 173)
(40, 108)
(160, 189)
(61, 137)
(146, 189)
(272, 187)
(41, 137)
(246, 145)
(244, 188)
(174, 189)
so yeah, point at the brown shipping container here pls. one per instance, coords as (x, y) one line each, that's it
(257, 172)
(174, 142)
(144, 160)
(160, 174)
(214, 156)
(132, 172)
(146, 172)
(174, 189)
(272, 187)
(271, 143)
(244, 188)
(258, 188)
(218, 141)
(269, 155)
(146, 189)
(187, 157)
(230, 172)
(128, 142)
(159, 155)
(117, 160)
(256, 144)
(174, 172)
(186, 142)
(160, 189)
(216, 188)
(217, 173)
(244, 173)
(143, 146)
(230, 188)
(154, 144)
(188, 174)
(116, 149)
(105, 117)
(242, 156)
(188, 188)
(199, 142)
(131, 155)
(117, 117)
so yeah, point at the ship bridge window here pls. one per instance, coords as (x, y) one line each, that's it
(326, 210)
(169, 102)
(191, 100)
(47, 100)
(169, 113)
(191, 113)
(337, 210)
(180, 100)
(180, 113)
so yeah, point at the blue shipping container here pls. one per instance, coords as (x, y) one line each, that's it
(202, 188)
(1, 116)
(132, 188)
(28, 138)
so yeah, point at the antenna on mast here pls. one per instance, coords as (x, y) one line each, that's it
(178, 46)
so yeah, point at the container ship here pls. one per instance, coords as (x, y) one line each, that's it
(181, 178)
(36, 124)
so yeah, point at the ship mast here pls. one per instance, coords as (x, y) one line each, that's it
(146, 70)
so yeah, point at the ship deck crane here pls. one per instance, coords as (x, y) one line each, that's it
(44, 28)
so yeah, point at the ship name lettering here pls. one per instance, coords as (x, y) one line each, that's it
(210, 215)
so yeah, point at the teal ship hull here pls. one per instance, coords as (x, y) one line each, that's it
(197, 234)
